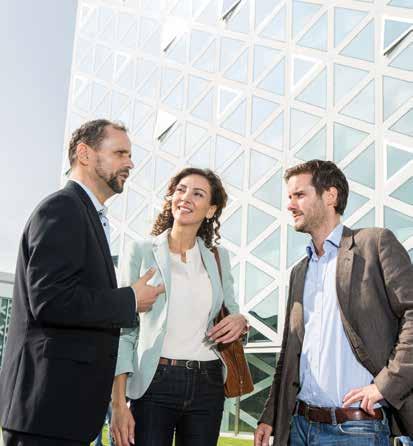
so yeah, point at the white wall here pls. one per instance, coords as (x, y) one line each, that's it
(36, 42)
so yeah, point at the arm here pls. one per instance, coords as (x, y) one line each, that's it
(395, 381)
(123, 423)
(57, 255)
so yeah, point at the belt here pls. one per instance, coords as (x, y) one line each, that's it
(191, 363)
(341, 414)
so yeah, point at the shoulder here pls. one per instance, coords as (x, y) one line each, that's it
(138, 248)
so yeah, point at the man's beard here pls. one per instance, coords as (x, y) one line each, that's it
(112, 180)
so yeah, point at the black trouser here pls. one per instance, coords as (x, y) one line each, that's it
(13, 438)
(188, 402)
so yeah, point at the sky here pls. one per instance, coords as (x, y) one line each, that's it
(36, 44)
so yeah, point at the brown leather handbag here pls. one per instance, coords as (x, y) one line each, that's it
(239, 380)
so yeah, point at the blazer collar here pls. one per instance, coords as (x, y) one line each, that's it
(73, 187)
(345, 260)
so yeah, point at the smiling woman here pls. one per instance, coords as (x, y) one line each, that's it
(174, 363)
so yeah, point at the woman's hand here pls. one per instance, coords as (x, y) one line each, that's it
(229, 329)
(122, 425)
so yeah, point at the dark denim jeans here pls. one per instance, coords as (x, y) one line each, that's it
(350, 433)
(188, 402)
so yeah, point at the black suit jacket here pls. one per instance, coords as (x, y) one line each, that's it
(67, 312)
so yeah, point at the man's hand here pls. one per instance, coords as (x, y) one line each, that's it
(368, 395)
(122, 425)
(229, 329)
(146, 294)
(262, 435)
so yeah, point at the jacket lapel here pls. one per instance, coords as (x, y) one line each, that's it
(345, 259)
(97, 227)
(297, 310)
(160, 249)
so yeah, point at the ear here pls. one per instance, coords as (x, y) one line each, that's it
(211, 211)
(82, 153)
(332, 195)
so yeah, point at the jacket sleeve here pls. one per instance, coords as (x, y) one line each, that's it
(395, 381)
(228, 282)
(130, 273)
(269, 413)
(57, 255)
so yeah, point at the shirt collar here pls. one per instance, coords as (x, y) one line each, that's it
(331, 242)
(101, 209)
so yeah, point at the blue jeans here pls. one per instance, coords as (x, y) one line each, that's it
(188, 402)
(350, 433)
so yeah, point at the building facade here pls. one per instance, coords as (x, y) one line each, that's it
(248, 88)
(6, 291)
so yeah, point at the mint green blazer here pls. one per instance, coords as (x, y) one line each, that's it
(139, 354)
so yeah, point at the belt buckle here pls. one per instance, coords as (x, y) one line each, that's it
(190, 362)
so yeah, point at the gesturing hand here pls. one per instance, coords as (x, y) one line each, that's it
(229, 329)
(146, 295)
(368, 395)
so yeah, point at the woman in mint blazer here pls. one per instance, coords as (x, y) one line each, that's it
(171, 370)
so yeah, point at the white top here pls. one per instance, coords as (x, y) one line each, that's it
(189, 305)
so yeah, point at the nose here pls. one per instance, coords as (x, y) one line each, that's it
(290, 205)
(129, 163)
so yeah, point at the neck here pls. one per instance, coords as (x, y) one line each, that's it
(320, 234)
(182, 238)
(101, 191)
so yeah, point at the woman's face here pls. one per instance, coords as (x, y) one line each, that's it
(191, 201)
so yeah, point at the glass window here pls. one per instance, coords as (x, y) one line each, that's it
(261, 110)
(238, 71)
(404, 124)
(355, 202)
(404, 60)
(264, 57)
(267, 310)
(396, 159)
(367, 221)
(225, 148)
(258, 221)
(357, 171)
(302, 13)
(276, 28)
(345, 20)
(362, 106)
(255, 281)
(273, 135)
(404, 192)
(301, 124)
(274, 81)
(396, 92)
(205, 109)
(236, 121)
(362, 46)
(393, 29)
(345, 79)
(234, 174)
(296, 244)
(316, 36)
(231, 227)
(271, 191)
(260, 164)
(269, 251)
(315, 148)
(346, 139)
(400, 224)
(316, 92)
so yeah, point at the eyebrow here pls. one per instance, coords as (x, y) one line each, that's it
(195, 188)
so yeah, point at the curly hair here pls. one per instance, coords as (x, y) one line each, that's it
(209, 227)
(91, 133)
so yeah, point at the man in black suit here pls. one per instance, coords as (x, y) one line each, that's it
(60, 357)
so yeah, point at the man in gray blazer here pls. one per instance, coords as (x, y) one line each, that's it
(345, 372)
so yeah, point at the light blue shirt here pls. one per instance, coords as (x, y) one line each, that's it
(101, 209)
(328, 366)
